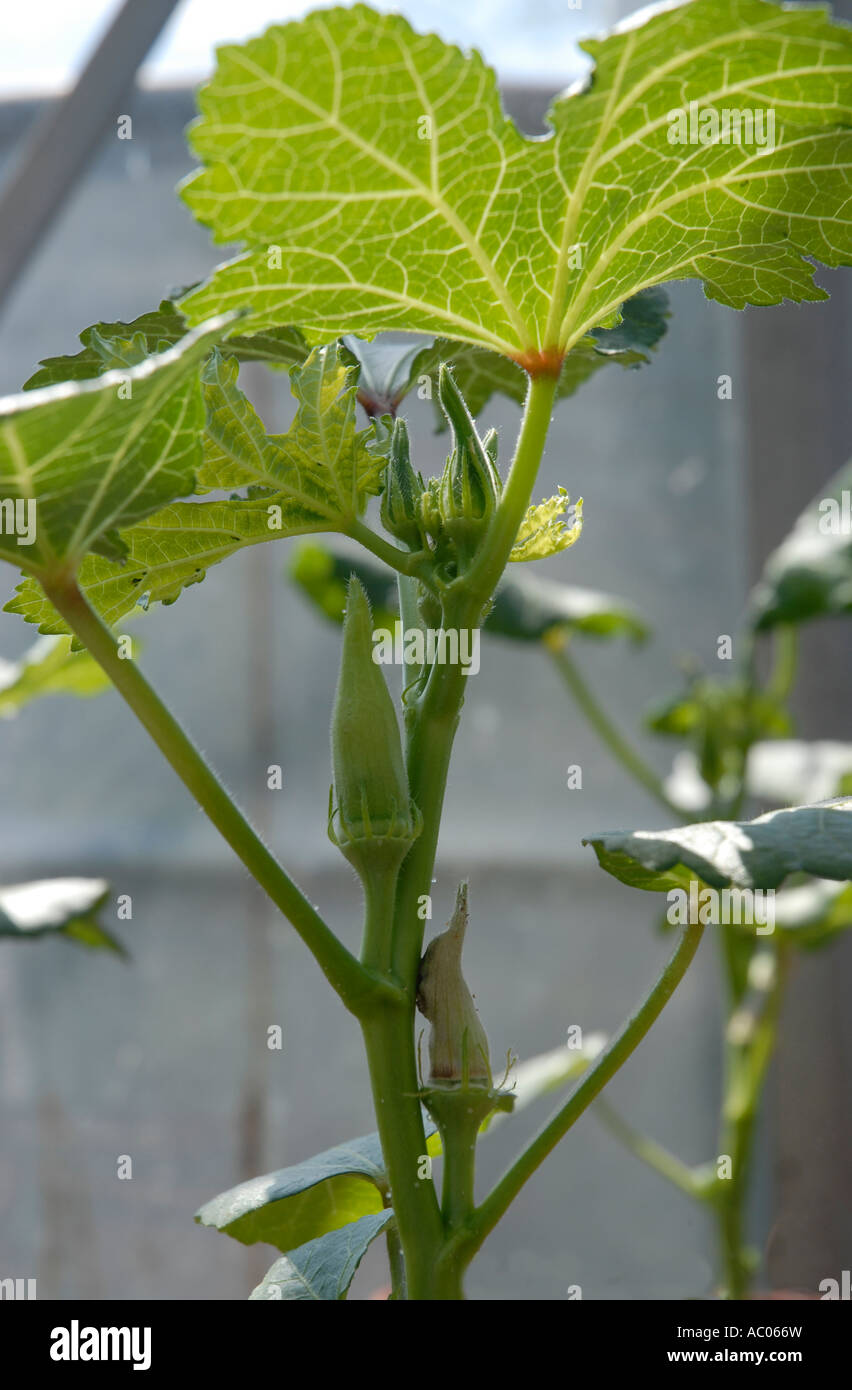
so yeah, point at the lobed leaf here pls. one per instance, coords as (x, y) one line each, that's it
(544, 532)
(376, 183)
(161, 328)
(81, 460)
(316, 477)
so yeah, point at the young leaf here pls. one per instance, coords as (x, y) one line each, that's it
(82, 459)
(543, 531)
(48, 667)
(322, 1269)
(293, 1205)
(810, 573)
(162, 328)
(316, 477)
(743, 854)
(376, 183)
(66, 906)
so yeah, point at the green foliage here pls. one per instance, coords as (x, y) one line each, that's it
(316, 477)
(742, 854)
(439, 217)
(92, 457)
(322, 1269)
(66, 907)
(810, 574)
(543, 531)
(526, 607)
(161, 328)
(295, 1204)
(48, 667)
(720, 719)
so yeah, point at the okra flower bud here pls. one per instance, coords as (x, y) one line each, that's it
(470, 486)
(403, 490)
(373, 821)
(458, 1046)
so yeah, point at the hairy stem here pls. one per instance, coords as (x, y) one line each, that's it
(354, 984)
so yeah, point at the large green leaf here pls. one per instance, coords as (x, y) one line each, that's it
(481, 374)
(316, 477)
(48, 667)
(527, 608)
(376, 183)
(161, 328)
(83, 459)
(66, 906)
(295, 1204)
(322, 1269)
(810, 573)
(742, 854)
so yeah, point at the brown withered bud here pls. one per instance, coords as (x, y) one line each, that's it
(458, 1046)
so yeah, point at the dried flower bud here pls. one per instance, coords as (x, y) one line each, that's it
(458, 1046)
(403, 490)
(372, 811)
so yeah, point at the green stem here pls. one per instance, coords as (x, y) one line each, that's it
(396, 1261)
(484, 574)
(615, 1055)
(649, 1151)
(431, 723)
(746, 1064)
(459, 1149)
(405, 562)
(785, 656)
(606, 730)
(355, 985)
(389, 1041)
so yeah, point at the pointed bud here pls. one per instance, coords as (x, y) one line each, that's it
(371, 807)
(470, 486)
(403, 490)
(458, 1046)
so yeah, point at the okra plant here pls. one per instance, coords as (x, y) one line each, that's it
(375, 185)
